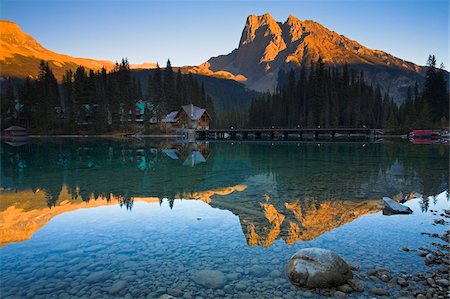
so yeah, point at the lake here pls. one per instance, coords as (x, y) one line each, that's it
(98, 218)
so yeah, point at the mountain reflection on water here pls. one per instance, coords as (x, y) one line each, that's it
(292, 191)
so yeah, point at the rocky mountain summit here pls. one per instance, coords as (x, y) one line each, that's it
(267, 47)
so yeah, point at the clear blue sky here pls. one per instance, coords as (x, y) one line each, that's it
(190, 32)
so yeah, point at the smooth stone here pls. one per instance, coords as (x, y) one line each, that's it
(379, 292)
(442, 282)
(340, 295)
(317, 268)
(213, 279)
(421, 296)
(430, 258)
(175, 292)
(431, 282)
(307, 294)
(402, 282)
(161, 290)
(275, 273)
(98, 276)
(233, 276)
(392, 207)
(345, 288)
(240, 286)
(405, 248)
(117, 286)
(258, 271)
(356, 285)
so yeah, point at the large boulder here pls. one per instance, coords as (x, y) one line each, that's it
(392, 207)
(317, 268)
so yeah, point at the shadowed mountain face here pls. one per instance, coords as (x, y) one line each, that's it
(294, 192)
(267, 46)
(20, 55)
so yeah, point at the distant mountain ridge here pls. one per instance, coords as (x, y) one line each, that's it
(267, 46)
(20, 55)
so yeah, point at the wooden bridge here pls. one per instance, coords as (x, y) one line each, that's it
(275, 132)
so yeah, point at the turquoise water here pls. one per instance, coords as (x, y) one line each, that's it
(100, 218)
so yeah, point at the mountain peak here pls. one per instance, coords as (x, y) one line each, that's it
(262, 23)
(268, 47)
(292, 19)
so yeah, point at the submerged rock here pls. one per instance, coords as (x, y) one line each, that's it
(392, 207)
(213, 279)
(117, 286)
(379, 292)
(317, 268)
(98, 276)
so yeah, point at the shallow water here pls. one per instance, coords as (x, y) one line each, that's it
(100, 218)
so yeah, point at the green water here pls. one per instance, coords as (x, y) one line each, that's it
(166, 211)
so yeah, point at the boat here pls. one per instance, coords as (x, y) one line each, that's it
(424, 134)
(428, 141)
(15, 134)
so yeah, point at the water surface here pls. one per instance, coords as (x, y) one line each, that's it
(101, 218)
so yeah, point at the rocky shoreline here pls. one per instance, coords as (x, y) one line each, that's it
(380, 282)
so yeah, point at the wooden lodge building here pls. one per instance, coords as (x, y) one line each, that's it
(188, 117)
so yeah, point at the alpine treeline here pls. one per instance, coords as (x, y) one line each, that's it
(97, 101)
(330, 97)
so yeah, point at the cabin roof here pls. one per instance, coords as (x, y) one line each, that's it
(193, 112)
(171, 117)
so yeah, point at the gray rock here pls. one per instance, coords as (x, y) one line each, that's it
(379, 292)
(275, 274)
(213, 279)
(402, 282)
(233, 276)
(240, 286)
(117, 286)
(356, 285)
(175, 292)
(258, 271)
(392, 207)
(98, 276)
(421, 296)
(430, 258)
(345, 288)
(307, 294)
(340, 295)
(317, 268)
(442, 282)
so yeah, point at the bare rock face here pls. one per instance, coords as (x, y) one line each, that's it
(267, 47)
(392, 207)
(317, 268)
